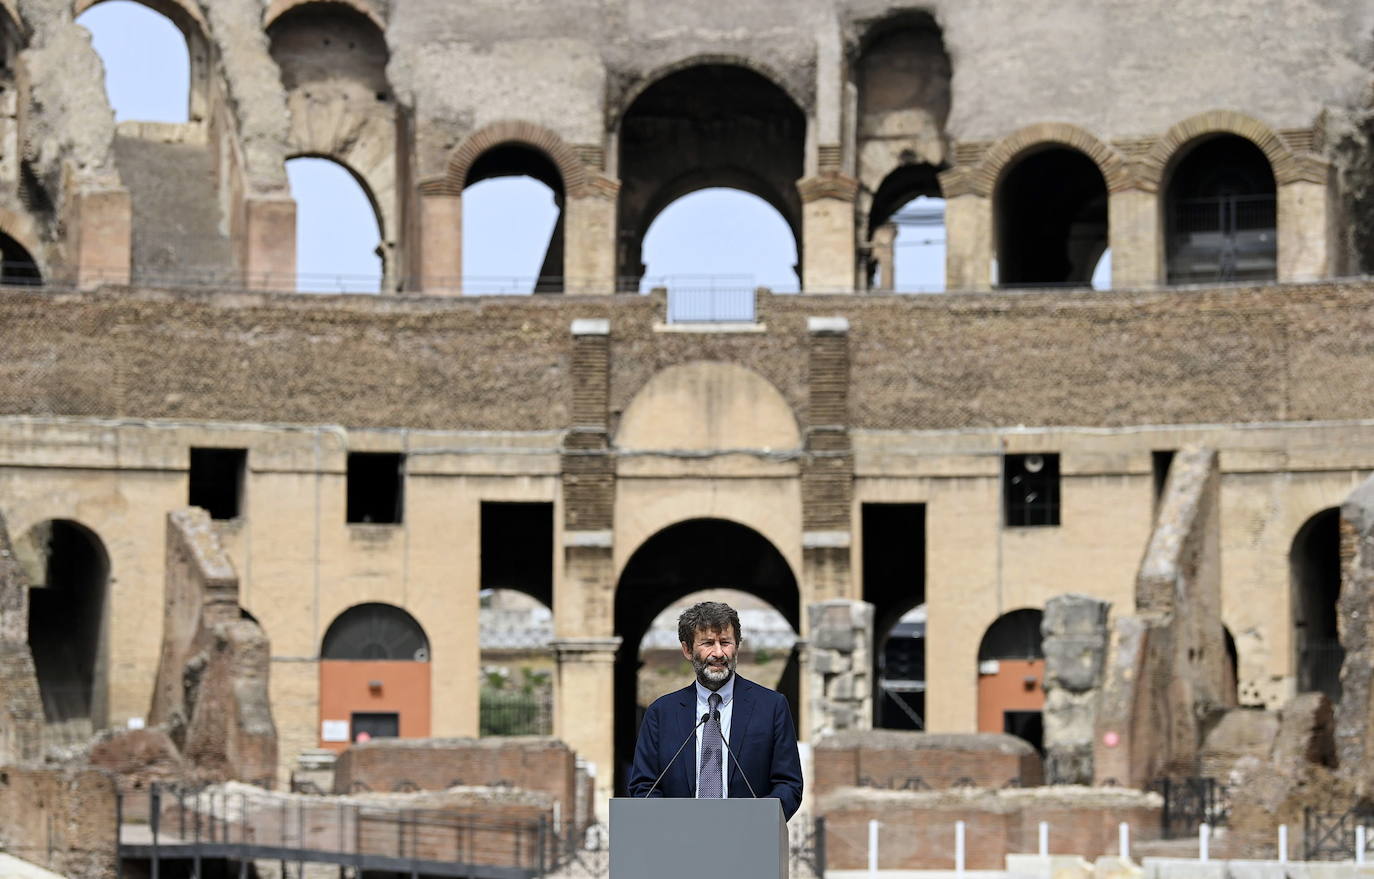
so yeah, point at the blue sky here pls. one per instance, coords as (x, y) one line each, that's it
(730, 235)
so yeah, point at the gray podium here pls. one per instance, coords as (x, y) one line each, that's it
(676, 839)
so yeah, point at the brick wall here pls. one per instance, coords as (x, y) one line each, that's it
(915, 362)
(917, 830)
(60, 819)
(894, 760)
(526, 763)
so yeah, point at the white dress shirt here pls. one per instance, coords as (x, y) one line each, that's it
(727, 708)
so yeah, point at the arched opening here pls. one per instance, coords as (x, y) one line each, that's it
(67, 625)
(719, 238)
(1051, 219)
(906, 232)
(338, 234)
(683, 559)
(1220, 213)
(374, 676)
(17, 266)
(513, 222)
(902, 75)
(333, 62)
(147, 60)
(1315, 566)
(763, 655)
(703, 127)
(1011, 677)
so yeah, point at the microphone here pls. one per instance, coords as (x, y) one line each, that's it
(732, 757)
(690, 736)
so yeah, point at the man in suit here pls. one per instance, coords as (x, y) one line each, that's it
(742, 718)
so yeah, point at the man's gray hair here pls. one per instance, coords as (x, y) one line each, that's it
(705, 617)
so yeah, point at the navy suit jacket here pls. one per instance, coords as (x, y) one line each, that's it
(762, 738)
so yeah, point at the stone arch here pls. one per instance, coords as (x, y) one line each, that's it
(514, 131)
(1003, 155)
(373, 627)
(642, 84)
(278, 8)
(708, 405)
(186, 16)
(378, 209)
(182, 13)
(670, 565)
(22, 230)
(375, 675)
(1315, 576)
(1173, 145)
(1011, 675)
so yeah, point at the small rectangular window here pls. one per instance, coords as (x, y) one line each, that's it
(1031, 489)
(376, 487)
(217, 481)
(374, 725)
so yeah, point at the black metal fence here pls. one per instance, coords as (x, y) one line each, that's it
(180, 824)
(1331, 836)
(1190, 802)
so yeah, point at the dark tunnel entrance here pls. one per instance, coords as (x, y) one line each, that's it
(688, 557)
(67, 625)
(1315, 563)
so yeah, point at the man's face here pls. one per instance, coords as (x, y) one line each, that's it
(713, 656)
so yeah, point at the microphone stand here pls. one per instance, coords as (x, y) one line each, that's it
(690, 736)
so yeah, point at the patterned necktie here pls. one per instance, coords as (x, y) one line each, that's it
(709, 780)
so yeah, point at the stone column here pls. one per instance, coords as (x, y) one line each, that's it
(1308, 239)
(589, 246)
(1136, 237)
(584, 704)
(584, 598)
(840, 654)
(828, 241)
(1355, 623)
(441, 240)
(968, 233)
(269, 243)
(1074, 633)
(884, 253)
(102, 237)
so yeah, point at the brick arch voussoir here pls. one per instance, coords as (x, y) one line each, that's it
(1005, 152)
(565, 158)
(1169, 148)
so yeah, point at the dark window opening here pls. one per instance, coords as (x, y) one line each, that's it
(1014, 635)
(217, 481)
(517, 548)
(1051, 220)
(376, 482)
(1027, 725)
(1221, 214)
(1031, 490)
(375, 632)
(1160, 462)
(513, 223)
(365, 725)
(894, 583)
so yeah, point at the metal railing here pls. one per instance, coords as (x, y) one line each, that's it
(516, 714)
(1331, 836)
(1190, 802)
(181, 824)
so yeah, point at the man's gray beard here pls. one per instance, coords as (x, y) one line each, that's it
(704, 673)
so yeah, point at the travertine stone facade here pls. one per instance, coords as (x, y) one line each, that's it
(838, 654)
(1075, 641)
